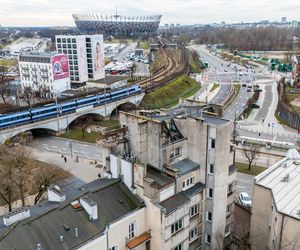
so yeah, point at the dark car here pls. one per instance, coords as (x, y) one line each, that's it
(257, 90)
(255, 106)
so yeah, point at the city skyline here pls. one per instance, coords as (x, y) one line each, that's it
(54, 13)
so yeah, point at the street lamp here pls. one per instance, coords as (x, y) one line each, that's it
(68, 133)
(57, 109)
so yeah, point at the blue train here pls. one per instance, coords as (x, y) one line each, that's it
(50, 110)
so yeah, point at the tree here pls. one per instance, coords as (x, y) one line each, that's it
(44, 177)
(28, 95)
(3, 82)
(250, 152)
(85, 122)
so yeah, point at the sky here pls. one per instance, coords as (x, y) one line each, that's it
(59, 12)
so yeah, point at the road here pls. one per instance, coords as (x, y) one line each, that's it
(244, 183)
(222, 93)
(239, 104)
(83, 150)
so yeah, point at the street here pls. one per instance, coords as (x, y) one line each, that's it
(244, 183)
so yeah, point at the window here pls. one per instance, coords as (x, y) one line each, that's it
(194, 233)
(194, 210)
(58, 40)
(207, 238)
(208, 216)
(177, 226)
(131, 230)
(73, 40)
(188, 183)
(211, 168)
(210, 193)
(178, 247)
(175, 152)
(212, 143)
(113, 248)
(227, 229)
(230, 189)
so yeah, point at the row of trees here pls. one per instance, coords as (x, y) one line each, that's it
(261, 38)
(21, 176)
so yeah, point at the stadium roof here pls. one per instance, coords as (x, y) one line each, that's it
(115, 18)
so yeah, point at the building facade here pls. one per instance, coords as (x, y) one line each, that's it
(86, 56)
(187, 163)
(45, 72)
(296, 70)
(275, 220)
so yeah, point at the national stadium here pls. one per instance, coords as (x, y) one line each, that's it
(116, 24)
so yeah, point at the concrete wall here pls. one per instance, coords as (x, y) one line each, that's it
(259, 226)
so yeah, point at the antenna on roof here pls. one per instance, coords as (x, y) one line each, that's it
(38, 246)
(116, 16)
(76, 232)
(61, 238)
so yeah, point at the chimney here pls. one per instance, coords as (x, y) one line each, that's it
(38, 246)
(16, 215)
(90, 207)
(55, 195)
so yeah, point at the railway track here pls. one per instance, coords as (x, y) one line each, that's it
(170, 71)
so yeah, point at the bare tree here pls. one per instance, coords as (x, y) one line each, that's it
(250, 152)
(3, 82)
(85, 122)
(28, 95)
(44, 177)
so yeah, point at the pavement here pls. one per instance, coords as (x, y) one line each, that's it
(86, 151)
(83, 170)
(245, 183)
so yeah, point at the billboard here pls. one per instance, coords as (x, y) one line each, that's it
(60, 66)
(98, 56)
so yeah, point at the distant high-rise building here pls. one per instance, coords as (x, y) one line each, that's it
(283, 20)
(86, 56)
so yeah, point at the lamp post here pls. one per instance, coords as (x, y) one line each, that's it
(57, 110)
(68, 133)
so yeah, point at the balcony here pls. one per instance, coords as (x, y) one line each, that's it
(44, 70)
(232, 169)
(136, 241)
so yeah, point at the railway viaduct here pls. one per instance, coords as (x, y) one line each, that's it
(63, 121)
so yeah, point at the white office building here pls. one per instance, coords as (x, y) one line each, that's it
(44, 72)
(86, 56)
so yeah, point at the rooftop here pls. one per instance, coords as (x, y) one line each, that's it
(160, 179)
(191, 111)
(113, 199)
(174, 202)
(184, 166)
(283, 179)
(109, 80)
(38, 54)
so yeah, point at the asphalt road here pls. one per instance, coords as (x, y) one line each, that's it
(244, 183)
(239, 104)
(264, 109)
(59, 145)
(222, 93)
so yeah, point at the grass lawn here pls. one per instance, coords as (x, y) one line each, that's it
(8, 62)
(109, 123)
(159, 62)
(76, 134)
(243, 168)
(290, 98)
(168, 95)
(144, 45)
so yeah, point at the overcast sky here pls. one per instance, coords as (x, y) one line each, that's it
(58, 12)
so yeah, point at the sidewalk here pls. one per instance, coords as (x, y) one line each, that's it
(83, 169)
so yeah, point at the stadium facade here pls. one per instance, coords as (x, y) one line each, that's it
(116, 24)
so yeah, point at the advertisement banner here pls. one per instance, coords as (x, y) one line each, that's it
(98, 56)
(60, 65)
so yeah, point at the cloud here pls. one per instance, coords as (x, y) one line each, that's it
(58, 12)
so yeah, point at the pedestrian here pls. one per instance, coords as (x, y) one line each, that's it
(65, 158)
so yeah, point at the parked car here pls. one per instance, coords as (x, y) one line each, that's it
(248, 90)
(244, 85)
(245, 200)
(257, 90)
(255, 106)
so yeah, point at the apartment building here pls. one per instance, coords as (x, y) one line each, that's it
(103, 214)
(275, 220)
(195, 151)
(296, 70)
(44, 71)
(86, 56)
